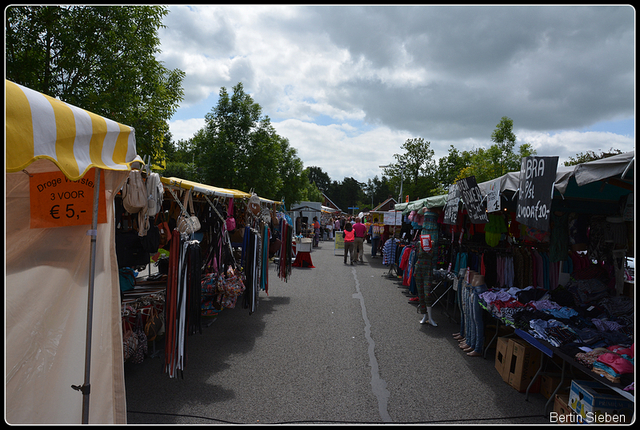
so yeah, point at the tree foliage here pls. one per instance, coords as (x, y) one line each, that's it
(414, 170)
(99, 58)
(500, 158)
(585, 157)
(319, 177)
(239, 149)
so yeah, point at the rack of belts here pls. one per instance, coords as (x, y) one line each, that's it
(183, 300)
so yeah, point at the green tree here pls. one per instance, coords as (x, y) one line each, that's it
(319, 177)
(500, 158)
(504, 140)
(294, 180)
(585, 157)
(239, 148)
(380, 189)
(449, 168)
(99, 58)
(414, 170)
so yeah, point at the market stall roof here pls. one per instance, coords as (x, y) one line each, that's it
(204, 189)
(210, 190)
(74, 139)
(606, 179)
(48, 268)
(427, 202)
(328, 210)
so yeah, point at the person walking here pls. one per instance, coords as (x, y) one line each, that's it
(375, 238)
(361, 231)
(349, 242)
(316, 232)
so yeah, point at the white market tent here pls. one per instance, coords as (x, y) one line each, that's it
(60, 281)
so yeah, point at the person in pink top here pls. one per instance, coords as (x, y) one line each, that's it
(361, 232)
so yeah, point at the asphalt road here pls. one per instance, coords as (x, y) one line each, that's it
(336, 344)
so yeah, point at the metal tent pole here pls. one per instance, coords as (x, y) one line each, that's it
(86, 386)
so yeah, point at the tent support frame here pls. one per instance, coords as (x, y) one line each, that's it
(85, 389)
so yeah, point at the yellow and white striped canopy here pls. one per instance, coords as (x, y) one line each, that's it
(39, 126)
(203, 188)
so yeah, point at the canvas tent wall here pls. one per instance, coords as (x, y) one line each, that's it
(48, 270)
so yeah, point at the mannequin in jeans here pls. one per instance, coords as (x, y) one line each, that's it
(459, 284)
(465, 332)
(475, 337)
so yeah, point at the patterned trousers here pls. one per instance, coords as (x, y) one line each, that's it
(423, 275)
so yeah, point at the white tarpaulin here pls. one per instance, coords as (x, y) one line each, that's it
(48, 270)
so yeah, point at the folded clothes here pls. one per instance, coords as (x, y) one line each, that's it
(564, 312)
(616, 362)
(588, 358)
(622, 350)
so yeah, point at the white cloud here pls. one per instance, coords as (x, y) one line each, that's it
(185, 129)
(337, 78)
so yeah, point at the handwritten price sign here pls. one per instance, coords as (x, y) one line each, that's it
(537, 176)
(56, 201)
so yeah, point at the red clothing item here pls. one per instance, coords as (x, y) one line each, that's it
(360, 229)
(349, 236)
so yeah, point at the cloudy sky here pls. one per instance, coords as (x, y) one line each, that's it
(349, 85)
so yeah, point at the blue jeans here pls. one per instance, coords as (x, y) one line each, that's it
(475, 336)
(374, 246)
(459, 297)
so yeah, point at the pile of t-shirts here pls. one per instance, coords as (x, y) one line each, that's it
(615, 362)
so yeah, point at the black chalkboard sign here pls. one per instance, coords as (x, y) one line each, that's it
(472, 199)
(451, 208)
(537, 176)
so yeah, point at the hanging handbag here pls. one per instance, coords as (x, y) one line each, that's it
(188, 223)
(154, 325)
(141, 350)
(231, 221)
(155, 191)
(134, 193)
(129, 340)
(230, 287)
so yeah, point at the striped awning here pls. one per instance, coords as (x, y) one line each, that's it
(209, 190)
(38, 126)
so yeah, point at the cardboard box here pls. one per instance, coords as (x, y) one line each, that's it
(597, 404)
(563, 413)
(501, 358)
(549, 382)
(524, 361)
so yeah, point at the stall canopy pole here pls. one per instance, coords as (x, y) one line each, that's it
(86, 387)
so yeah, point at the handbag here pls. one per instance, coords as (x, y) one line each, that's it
(187, 223)
(134, 193)
(138, 356)
(127, 279)
(129, 341)
(154, 326)
(230, 287)
(231, 221)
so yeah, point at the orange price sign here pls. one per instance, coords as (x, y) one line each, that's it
(56, 201)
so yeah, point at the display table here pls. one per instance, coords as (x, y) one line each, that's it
(302, 248)
(548, 352)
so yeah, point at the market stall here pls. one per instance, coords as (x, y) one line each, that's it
(543, 251)
(62, 302)
(216, 243)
